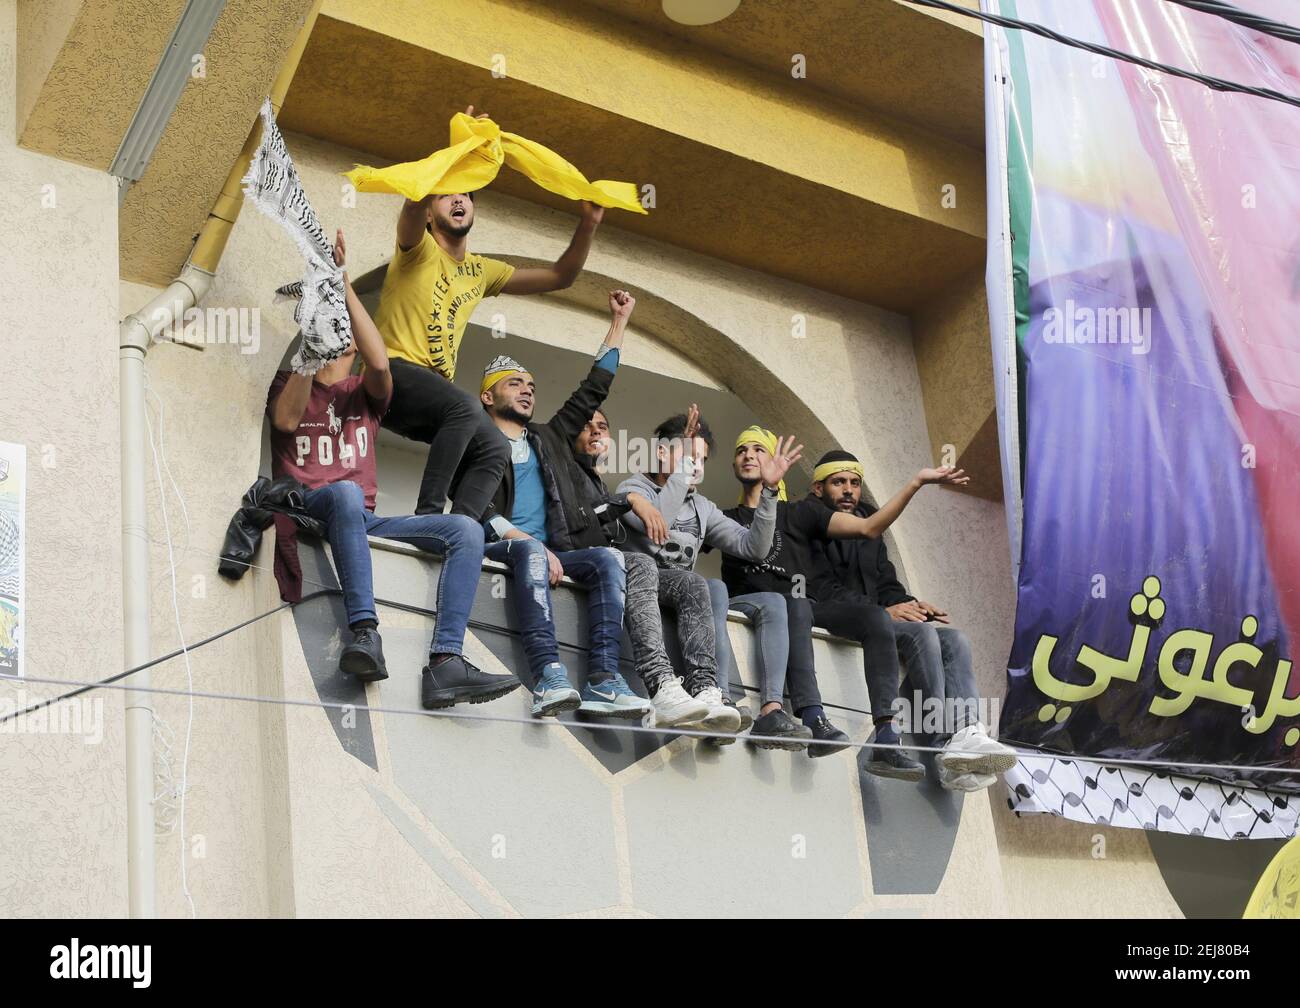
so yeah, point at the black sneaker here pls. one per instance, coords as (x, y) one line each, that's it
(453, 679)
(364, 657)
(778, 730)
(746, 715)
(827, 739)
(894, 763)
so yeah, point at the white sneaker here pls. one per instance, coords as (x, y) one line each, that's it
(971, 751)
(967, 782)
(721, 718)
(674, 706)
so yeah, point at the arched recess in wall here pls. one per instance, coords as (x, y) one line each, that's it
(720, 355)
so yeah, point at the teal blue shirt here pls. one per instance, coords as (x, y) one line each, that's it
(530, 495)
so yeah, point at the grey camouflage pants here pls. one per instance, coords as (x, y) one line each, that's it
(687, 595)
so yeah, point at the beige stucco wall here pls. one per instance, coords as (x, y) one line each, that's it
(63, 824)
(42, 28)
(267, 820)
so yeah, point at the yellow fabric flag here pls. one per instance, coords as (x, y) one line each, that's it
(1277, 894)
(478, 149)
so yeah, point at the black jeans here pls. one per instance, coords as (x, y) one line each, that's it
(800, 670)
(464, 444)
(873, 628)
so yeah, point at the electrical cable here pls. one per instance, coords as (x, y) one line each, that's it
(111, 682)
(1214, 83)
(1255, 22)
(325, 590)
(454, 714)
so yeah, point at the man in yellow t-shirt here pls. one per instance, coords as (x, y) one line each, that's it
(433, 285)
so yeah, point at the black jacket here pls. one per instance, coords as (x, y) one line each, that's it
(262, 501)
(844, 570)
(579, 513)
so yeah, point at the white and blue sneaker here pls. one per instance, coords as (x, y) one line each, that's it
(553, 694)
(614, 698)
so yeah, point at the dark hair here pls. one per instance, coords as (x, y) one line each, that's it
(598, 409)
(675, 426)
(835, 455)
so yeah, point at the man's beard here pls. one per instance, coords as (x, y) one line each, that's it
(455, 230)
(513, 415)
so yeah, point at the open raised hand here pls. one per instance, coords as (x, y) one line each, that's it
(944, 476)
(772, 468)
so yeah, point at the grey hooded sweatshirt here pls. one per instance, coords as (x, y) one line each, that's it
(693, 521)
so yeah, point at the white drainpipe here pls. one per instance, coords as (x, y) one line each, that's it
(135, 334)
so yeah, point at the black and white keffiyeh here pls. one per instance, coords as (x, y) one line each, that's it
(322, 311)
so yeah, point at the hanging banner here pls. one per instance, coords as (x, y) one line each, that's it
(1144, 279)
(13, 481)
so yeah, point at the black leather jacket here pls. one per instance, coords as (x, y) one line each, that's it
(261, 502)
(578, 515)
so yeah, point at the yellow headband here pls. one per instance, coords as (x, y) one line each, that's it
(829, 469)
(501, 367)
(764, 437)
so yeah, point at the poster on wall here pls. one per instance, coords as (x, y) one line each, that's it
(13, 477)
(1144, 279)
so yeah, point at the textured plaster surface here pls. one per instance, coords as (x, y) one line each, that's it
(712, 136)
(955, 364)
(63, 822)
(83, 70)
(165, 210)
(869, 52)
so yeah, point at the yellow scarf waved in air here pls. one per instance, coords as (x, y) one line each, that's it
(478, 149)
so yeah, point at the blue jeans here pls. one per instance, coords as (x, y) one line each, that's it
(939, 664)
(599, 570)
(456, 538)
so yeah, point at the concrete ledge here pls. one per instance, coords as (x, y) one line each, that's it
(392, 546)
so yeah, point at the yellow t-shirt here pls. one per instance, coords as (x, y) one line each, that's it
(428, 298)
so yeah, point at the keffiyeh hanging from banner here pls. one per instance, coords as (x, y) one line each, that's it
(322, 312)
